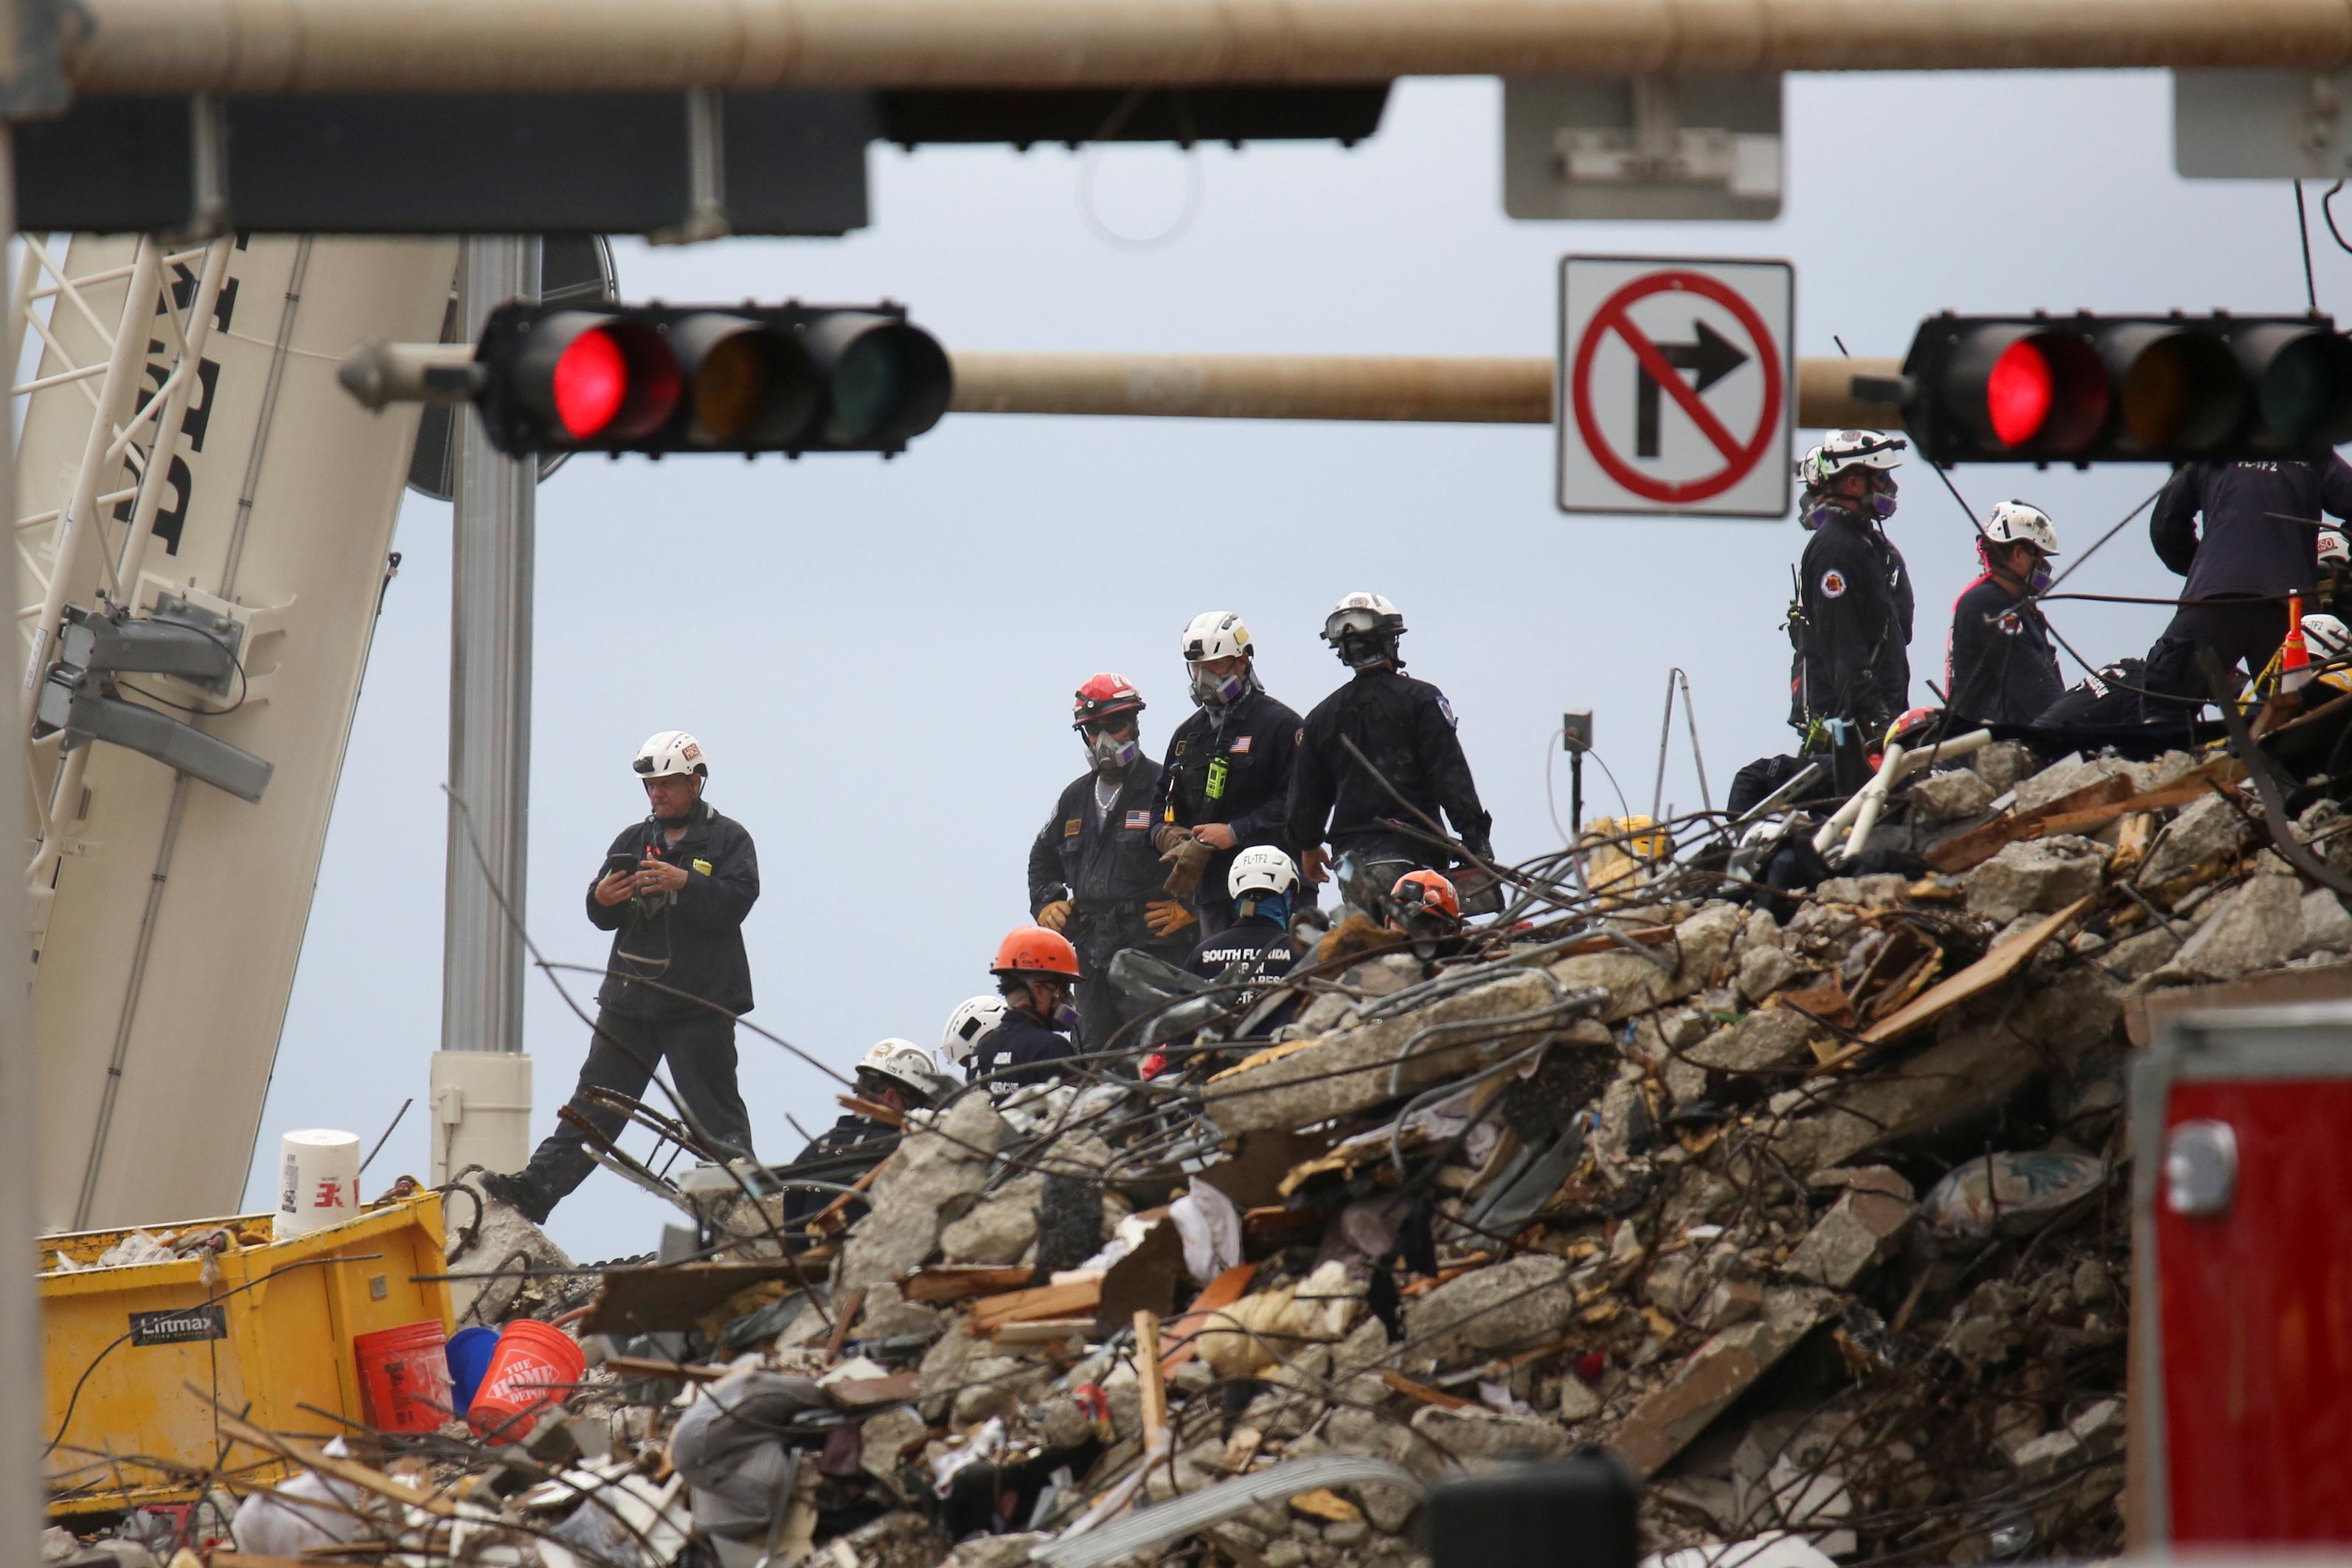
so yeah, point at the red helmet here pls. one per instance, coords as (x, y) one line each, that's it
(1102, 697)
(1033, 950)
(1424, 893)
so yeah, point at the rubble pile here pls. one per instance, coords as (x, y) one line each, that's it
(1804, 1197)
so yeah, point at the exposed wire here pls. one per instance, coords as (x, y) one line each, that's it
(2303, 227)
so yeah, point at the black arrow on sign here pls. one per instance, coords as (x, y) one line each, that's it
(1711, 355)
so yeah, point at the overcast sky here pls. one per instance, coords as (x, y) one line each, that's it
(880, 656)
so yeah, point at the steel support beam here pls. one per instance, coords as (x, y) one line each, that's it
(304, 46)
(1500, 389)
(480, 1102)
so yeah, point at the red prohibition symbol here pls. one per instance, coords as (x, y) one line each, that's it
(1739, 457)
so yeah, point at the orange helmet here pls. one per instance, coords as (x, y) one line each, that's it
(1425, 894)
(1033, 950)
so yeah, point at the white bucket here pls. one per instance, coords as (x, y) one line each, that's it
(317, 1181)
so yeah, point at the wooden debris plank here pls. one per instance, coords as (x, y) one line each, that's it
(1327, 1505)
(1223, 1291)
(1154, 1383)
(992, 1312)
(947, 1282)
(2180, 791)
(851, 1305)
(1424, 1392)
(859, 1393)
(1979, 844)
(1045, 1332)
(647, 1366)
(2005, 959)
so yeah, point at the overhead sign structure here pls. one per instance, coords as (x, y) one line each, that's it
(1677, 389)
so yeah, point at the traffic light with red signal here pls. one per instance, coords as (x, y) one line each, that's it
(657, 379)
(2087, 388)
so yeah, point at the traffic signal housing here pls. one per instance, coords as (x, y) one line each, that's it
(657, 379)
(2088, 388)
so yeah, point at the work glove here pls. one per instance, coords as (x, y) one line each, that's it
(1166, 917)
(1186, 862)
(1055, 915)
(1167, 836)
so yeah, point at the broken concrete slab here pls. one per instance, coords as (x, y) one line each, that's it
(2002, 764)
(937, 1171)
(1473, 1433)
(2036, 876)
(1767, 1037)
(2327, 924)
(1636, 984)
(1510, 1305)
(1363, 1066)
(1717, 1373)
(1764, 970)
(1949, 795)
(2209, 832)
(998, 1229)
(1977, 1068)
(497, 1240)
(1858, 1233)
(2256, 927)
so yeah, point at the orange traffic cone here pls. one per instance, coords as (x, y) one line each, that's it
(2294, 657)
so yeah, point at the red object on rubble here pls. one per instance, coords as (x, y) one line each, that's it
(2243, 1248)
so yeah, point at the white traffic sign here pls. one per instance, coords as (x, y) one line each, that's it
(1676, 386)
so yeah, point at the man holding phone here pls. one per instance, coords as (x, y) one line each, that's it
(673, 892)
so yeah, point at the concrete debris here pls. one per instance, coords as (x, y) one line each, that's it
(1645, 1176)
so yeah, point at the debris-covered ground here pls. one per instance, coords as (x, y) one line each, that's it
(1802, 1195)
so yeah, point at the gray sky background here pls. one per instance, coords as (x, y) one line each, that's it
(880, 656)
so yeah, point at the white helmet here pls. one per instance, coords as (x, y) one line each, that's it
(1843, 449)
(671, 753)
(1261, 868)
(970, 1023)
(906, 1064)
(2015, 523)
(1370, 622)
(1809, 467)
(1216, 634)
(2326, 636)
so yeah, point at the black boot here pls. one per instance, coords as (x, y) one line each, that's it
(520, 1194)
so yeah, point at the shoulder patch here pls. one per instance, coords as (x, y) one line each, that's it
(1300, 738)
(1833, 583)
(1447, 709)
(1070, 829)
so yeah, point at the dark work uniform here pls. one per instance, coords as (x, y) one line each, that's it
(1023, 1050)
(2102, 700)
(1405, 727)
(2249, 549)
(1105, 863)
(1998, 664)
(840, 1154)
(1232, 765)
(1263, 943)
(1853, 658)
(689, 942)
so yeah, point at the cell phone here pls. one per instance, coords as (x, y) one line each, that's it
(620, 861)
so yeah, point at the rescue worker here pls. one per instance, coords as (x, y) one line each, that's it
(1424, 907)
(1852, 620)
(1405, 730)
(673, 892)
(1093, 873)
(2106, 699)
(2000, 665)
(1036, 969)
(2259, 542)
(1258, 887)
(1226, 786)
(967, 1027)
(898, 1074)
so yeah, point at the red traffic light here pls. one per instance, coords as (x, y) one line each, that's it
(2018, 393)
(598, 377)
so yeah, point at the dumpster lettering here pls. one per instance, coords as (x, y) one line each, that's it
(179, 1326)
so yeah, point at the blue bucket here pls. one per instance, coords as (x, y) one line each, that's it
(469, 1357)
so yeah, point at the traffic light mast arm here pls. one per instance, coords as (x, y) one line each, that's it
(305, 46)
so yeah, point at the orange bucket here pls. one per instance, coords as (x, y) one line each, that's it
(405, 1377)
(533, 1369)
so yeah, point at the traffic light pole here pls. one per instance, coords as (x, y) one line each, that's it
(481, 1080)
(21, 1363)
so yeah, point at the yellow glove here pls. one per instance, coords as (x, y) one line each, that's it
(1166, 917)
(1055, 915)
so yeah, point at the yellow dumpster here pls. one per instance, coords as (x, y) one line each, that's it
(265, 1328)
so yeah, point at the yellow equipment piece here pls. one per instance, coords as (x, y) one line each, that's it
(265, 1328)
(1621, 853)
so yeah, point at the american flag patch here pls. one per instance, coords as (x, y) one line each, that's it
(1136, 819)
(1240, 748)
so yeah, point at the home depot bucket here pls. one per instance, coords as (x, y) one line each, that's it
(533, 1370)
(317, 1181)
(403, 1377)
